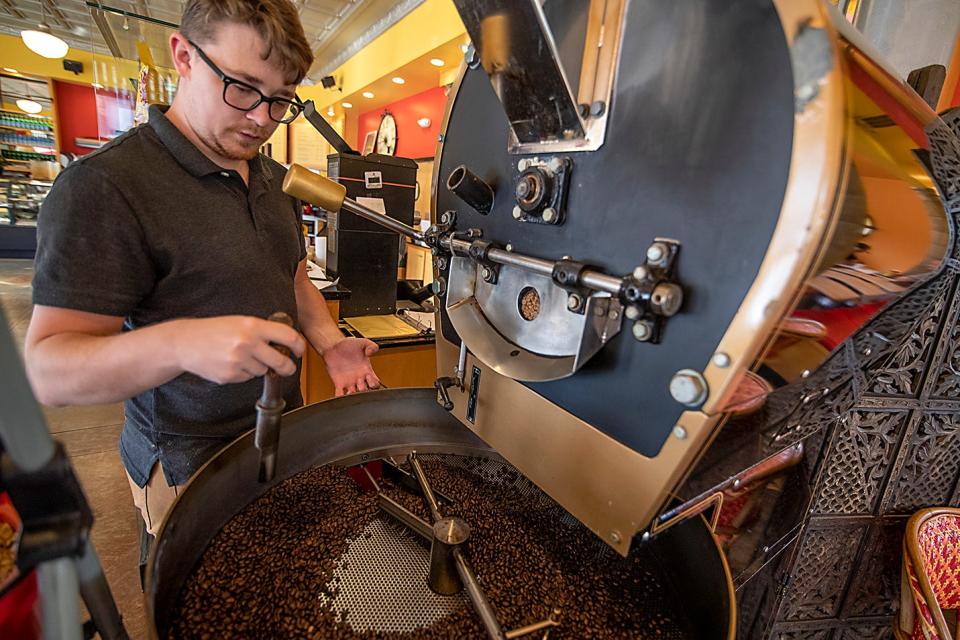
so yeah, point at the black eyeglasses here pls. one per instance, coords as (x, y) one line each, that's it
(244, 97)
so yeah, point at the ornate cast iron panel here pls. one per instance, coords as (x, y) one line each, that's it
(880, 425)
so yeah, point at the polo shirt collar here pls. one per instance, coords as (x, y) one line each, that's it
(187, 154)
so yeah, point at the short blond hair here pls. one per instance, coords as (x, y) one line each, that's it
(277, 22)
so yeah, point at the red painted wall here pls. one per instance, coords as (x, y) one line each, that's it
(413, 141)
(76, 115)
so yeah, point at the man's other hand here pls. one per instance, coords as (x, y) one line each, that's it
(348, 363)
(230, 349)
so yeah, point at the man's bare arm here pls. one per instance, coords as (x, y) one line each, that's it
(347, 359)
(76, 357)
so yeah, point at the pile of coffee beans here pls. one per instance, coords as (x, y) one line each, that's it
(268, 573)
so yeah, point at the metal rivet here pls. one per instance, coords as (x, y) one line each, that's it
(679, 433)
(615, 536)
(721, 359)
(574, 301)
(549, 214)
(646, 536)
(517, 212)
(640, 273)
(509, 247)
(614, 314)
(633, 312)
(656, 252)
(805, 374)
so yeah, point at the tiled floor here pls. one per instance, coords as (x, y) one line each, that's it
(90, 437)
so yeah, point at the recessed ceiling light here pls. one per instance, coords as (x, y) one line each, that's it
(367, 94)
(346, 105)
(437, 62)
(398, 80)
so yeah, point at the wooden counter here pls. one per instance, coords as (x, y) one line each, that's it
(403, 363)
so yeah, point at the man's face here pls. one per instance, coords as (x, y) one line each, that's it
(237, 50)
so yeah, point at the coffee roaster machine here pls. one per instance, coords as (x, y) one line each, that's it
(649, 217)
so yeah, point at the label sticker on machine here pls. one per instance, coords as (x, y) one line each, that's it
(472, 400)
(373, 179)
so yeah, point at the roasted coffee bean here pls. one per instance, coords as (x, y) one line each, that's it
(270, 572)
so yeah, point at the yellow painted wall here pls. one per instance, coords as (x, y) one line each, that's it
(14, 54)
(430, 25)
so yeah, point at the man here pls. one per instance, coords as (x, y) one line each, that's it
(161, 255)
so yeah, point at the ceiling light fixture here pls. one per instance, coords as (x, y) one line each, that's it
(367, 94)
(42, 42)
(29, 106)
(346, 105)
(398, 80)
(437, 62)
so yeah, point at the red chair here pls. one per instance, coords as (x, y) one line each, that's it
(930, 580)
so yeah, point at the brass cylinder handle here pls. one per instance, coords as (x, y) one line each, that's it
(305, 185)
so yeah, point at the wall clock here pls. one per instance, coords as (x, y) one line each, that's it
(387, 135)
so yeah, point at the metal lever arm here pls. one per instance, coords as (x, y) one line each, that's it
(311, 187)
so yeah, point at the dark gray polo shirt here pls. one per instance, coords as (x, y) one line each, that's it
(149, 229)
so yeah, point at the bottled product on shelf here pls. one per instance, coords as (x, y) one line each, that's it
(25, 156)
(19, 121)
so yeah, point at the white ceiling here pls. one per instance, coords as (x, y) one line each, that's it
(335, 28)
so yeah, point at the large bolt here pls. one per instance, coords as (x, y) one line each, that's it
(688, 387)
(640, 273)
(439, 286)
(486, 273)
(517, 212)
(632, 312)
(574, 301)
(549, 215)
(656, 252)
(642, 331)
